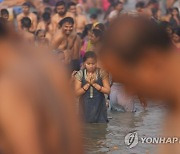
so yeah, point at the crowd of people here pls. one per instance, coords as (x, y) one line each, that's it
(77, 40)
(75, 37)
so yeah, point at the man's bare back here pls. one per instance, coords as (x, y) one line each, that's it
(33, 18)
(81, 22)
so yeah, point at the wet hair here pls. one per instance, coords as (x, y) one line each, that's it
(48, 9)
(46, 16)
(175, 8)
(38, 31)
(89, 54)
(27, 4)
(100, 26)
(97, 33)
(60, 3)
(147, 33)
(152, 2)
(140, 4)
(94, 16)
(87, 28)
(4, 12)
(66, 20)
(70, 4)
(26, 22)
(177, 31)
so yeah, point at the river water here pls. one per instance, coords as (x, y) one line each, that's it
(109, 138)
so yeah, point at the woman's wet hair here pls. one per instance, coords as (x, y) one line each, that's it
(66, 20)
(89, 54)
(97, 33)
(26, 22)
(87, 28)
(100, 26)
(146, 34)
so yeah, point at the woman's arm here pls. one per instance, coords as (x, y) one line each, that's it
(80, 90)
(105, 88)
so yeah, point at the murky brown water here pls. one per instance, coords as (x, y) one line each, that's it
(109, 138)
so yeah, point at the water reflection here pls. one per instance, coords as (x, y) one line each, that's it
(109, 138)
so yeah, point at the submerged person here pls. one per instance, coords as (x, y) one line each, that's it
(119, 99)
(91, 84)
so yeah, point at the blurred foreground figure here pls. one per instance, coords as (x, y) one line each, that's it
(36, 115)
(140, 54)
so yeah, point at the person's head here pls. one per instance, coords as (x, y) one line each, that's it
(152, 4)
(48, 9)
(26, 8)
(96, 36)
(79, 9)
(100, 26)
(46, 16)
(5, 14)
(118, 6)
(140, 6)
(166, 25)
(90, 61)
(136, 52)
(60, 8)
(93, 18)
(40, 35)
(67, 25)
(26, 22)
(156, 13)
(72, 7)
(87, 31)
(176, 35)
(175, 11)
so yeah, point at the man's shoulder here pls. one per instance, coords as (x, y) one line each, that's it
(55, 16)
(20, 16)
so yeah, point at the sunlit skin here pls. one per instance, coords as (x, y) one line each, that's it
(67, 28)
(72, 9)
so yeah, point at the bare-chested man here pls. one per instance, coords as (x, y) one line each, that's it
(68, 41)
(46, 25)
(25, 29)
(60, 14)
(79, 17)
(26, 13)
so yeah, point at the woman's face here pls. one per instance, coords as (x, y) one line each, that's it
(175, 12)
(90, 64)
(176, 38)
